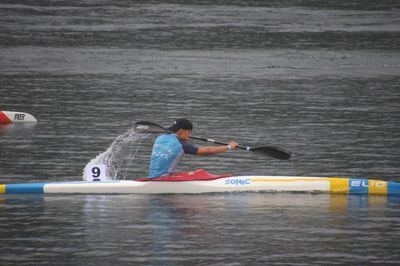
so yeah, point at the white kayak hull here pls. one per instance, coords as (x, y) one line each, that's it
(7, 117)
(229, 184)
(226, 184)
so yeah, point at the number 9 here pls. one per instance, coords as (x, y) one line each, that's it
(96, 172)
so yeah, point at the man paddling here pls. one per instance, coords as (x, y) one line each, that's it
(168, 149)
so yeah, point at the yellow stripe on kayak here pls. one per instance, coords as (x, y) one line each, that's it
(339, 185)
(377, 187)
(2, 189)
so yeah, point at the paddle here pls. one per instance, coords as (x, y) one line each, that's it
(145, 127)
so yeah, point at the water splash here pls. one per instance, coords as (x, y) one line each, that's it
(119, 157)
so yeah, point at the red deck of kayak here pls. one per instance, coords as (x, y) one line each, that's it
(4, 119)
(198, 175)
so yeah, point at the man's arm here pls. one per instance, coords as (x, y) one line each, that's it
(209, 150)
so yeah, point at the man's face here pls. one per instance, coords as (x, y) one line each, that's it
(184, 134)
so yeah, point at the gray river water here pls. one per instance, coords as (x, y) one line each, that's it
(319, 78)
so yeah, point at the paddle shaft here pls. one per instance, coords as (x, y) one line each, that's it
(218, 142)
(275, 152)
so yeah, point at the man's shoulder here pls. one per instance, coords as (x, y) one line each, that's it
(167, 139)
(189, 148)
(167, 136)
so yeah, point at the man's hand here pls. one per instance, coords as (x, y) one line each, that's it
(232, 145)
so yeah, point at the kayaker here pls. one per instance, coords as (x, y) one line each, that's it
(168, 149)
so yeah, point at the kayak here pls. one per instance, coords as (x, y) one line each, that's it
(201, 181)
(8, 117)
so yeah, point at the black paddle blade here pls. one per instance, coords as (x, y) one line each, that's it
(274, 152)
(145, 127)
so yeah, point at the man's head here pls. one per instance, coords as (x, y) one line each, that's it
(182, 128)
(181, 123)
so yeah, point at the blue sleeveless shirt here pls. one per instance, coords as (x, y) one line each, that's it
(167, 152)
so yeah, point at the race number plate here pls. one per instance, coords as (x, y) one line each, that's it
(96, 172)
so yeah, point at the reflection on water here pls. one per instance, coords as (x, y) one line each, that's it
(154, 229)
(17, 129)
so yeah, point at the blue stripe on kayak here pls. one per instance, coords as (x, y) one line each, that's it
(393, 188)
(358, 186)
(30, 188)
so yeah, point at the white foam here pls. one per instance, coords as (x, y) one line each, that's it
(119, 156)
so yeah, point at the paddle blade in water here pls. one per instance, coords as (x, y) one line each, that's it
(145, 127)
(274, 152)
